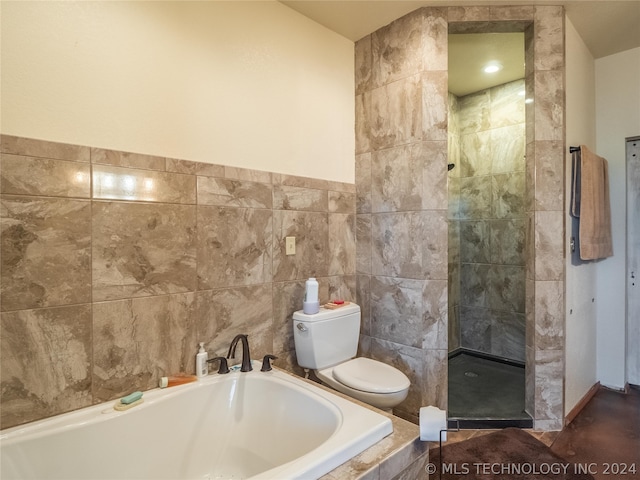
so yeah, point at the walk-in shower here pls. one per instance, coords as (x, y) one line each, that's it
(487, 218)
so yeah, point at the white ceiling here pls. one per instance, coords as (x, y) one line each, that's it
(469, 53)
(606, 26)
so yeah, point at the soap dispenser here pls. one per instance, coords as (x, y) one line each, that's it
(202, 367)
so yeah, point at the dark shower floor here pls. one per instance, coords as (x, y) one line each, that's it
(486, 393)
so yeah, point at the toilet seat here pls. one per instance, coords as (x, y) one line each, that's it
(369, 375)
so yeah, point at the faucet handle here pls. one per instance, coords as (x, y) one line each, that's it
(266, 364)
(224, 367)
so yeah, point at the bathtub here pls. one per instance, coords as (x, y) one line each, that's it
(258, 425)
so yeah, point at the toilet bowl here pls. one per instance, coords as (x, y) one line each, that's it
(367, 380)
(327, 342)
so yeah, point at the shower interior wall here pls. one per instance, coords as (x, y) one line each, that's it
(487, 221)
(402, 205)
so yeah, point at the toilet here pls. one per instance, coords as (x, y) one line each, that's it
(327, 343)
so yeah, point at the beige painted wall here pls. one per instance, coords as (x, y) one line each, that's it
(581, 279)
(617, 117)
(248, 84)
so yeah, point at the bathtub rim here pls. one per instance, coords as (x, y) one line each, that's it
(319, 461)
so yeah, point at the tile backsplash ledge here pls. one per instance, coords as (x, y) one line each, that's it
(115, 265)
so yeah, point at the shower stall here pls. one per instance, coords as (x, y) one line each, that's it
(487, 224)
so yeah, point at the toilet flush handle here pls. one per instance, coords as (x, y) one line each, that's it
(301, 327)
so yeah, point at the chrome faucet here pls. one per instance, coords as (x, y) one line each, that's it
(246, 356)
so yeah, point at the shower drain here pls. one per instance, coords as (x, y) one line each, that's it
(470, 374)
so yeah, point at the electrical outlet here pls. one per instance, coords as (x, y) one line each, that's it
(290, 245)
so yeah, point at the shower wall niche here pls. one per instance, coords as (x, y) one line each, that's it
(487, 221)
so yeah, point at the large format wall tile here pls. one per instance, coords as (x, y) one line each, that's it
(342, 244)
(397, 109)
(434, 378)
(549, 245)
(507, 104)
(396, 310)
(475, 244)
(46, 251)
(127, 159)
(40, 148)
(409, 360)
(363, 65)
(363, 244)
(434, 308)
(474, 279)
(549, 175)
(506, 288)
(311, 230)
(342, 202)
(287, 299)
(549, 326)
(298, 198)
(233, 193)
(224, 313)
(476, 152)
(508, 241)
(363, 298)
(363, 124)
(476, 196)
(508, 152)
(363, 183)
(549, 105)
(234, 246)
(395, 185)
(434, 174)
(394, 50)
(508, 335)
(394, 250)
(475, 328)
(475, 112)
(434, 239)
(37, 176)
(549, 374)
(142, 249)
(434, 105)
(435, 55)
(117, 183)
(549, 39)
(508, 198)
(45, 362)
(138, 340)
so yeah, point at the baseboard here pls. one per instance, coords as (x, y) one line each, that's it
(581, 404)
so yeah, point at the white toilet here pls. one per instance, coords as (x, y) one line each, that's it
(327, 342)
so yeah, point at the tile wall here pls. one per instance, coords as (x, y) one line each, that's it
(115, 265)
(401, 185)
(488, 216)
(402, 202)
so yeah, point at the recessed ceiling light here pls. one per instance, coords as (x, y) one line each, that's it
(492, 67)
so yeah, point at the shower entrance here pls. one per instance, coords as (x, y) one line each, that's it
(487, 222)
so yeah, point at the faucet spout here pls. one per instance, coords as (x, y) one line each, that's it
(246, 356)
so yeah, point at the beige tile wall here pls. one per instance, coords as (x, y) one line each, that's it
(401, 109)
(490, 235)
(115, 265)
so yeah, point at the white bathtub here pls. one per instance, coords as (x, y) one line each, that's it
(258, 425)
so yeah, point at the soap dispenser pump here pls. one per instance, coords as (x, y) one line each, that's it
(202, 367)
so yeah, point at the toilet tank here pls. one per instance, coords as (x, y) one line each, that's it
(328, 337)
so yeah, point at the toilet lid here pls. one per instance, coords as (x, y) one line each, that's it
(372, 376)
